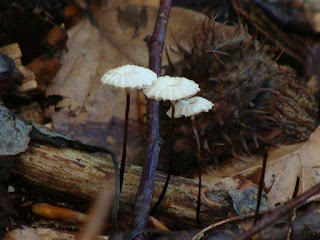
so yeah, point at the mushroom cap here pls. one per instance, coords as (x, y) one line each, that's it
(129, 76)
(171, 88)
(190, 107)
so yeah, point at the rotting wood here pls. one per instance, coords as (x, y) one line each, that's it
(28, 82)
(80, 174)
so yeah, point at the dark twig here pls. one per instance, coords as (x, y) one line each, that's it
(196, 135)
(261, 185)
(279, 212)
(155, 45)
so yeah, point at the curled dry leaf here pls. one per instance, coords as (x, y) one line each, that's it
(284, 165)
(282, 173)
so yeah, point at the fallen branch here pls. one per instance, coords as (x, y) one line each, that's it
(79, 174)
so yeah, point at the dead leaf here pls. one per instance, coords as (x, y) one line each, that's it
(282, 173)
(284, 165)
(91, 111)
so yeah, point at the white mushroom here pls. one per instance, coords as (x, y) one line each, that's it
(128, 77)
(171, 88)
(190, 108)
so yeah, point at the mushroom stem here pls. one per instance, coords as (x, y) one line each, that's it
(261, 185)
(173, 105)
(163, 192)
(165, 186)
(195, 132)
(125, 136)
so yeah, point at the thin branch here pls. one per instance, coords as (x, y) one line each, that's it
(155, 45)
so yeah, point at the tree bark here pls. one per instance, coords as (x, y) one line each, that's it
(79, 174)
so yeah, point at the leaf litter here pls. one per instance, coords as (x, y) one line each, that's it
(285, 164)
(94, 113)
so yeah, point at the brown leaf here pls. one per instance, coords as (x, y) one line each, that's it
(284, 165)
(91, 111)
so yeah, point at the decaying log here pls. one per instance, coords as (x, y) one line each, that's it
(53, 162)
(80, 174)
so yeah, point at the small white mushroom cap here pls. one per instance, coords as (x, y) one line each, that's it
(190, 107)
(171, 88)
(129, 76)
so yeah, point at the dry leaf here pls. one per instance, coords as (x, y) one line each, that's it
(284, 165)
(282, 173)
(91, 111)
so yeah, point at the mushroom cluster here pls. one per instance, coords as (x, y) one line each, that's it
(178, 90)
(171, 89)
